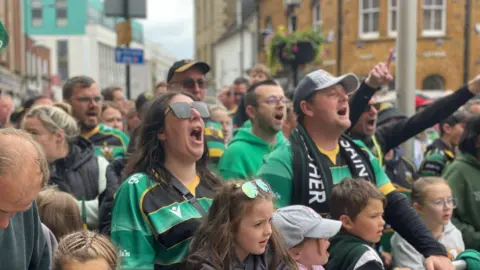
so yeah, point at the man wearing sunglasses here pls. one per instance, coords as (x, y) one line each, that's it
(265, 104)
(320, 155)
(83, 94)
(190, 76)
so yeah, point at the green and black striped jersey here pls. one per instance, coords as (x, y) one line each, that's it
(152, 224)
(108, 142)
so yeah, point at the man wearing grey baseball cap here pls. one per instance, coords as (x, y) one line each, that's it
(305, 233)
(320, 155)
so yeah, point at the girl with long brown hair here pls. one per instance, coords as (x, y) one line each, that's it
(238, 231)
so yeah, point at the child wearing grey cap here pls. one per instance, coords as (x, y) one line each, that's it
(306, 235)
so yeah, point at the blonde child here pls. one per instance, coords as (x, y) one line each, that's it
(220, 115)
(432, 199)
(306, 235)
(59, 212)
(258, 73)
(237, 232)
(85, 250)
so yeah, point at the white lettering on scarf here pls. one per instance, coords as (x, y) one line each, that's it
(355, 158)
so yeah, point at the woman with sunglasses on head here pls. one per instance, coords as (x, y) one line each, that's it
(159, 207)
(238, 233)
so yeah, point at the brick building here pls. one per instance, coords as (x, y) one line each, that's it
(369, 30)
(37, 62)
(12, 59)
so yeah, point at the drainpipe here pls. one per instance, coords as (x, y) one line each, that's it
(467, 32)
(339, 37)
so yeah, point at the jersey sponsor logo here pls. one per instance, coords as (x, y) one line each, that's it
(134, 179)
(124, 253)
(176, 211)
(357, 160)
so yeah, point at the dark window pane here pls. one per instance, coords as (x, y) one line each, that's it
(438, 20)
(61, 13)
(426, 20)
(37, 13)
(375, 22)
(394, 21)
(366, 4)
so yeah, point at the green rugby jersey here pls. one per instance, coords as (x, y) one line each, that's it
(215, 142)
(277, 170)
(152, 224)
(108, 142)
(437, 157)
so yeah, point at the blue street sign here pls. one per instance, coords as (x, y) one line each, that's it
(128, 55)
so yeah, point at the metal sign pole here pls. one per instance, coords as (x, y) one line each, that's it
(127, 66)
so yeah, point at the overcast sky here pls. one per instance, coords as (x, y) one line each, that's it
(170, 22)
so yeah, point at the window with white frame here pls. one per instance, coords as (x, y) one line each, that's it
(392, 17)
(61, 12)
(316, 15)
(434, 17)
(37, 13)
(369, 13)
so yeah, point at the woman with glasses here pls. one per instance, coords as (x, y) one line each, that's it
(74, 168)
(463, 177)
(432, 199)
(159, 207)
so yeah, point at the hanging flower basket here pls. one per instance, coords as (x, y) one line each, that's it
(295, 48)
(302, 53)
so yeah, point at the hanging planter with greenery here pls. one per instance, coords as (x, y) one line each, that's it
(296, 48)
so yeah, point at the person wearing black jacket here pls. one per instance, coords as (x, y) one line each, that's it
(73, 165)
(382, 139)
(320, 155)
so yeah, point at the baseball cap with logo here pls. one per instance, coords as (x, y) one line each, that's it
(320, 80)
(3, 37)
(297, 222)
(182, 65)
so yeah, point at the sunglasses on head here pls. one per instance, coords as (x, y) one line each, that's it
(251, 188)
(183, 110)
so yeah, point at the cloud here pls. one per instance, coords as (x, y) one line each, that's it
(171, 23)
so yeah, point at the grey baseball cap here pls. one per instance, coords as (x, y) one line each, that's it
(321, 80)
(297, 222)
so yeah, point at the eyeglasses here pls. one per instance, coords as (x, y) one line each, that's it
(96, 99)
(190, 83)
(250, 188)
(275, 100)
(183, 110)
(443, 203)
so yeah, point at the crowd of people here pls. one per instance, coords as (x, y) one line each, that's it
(265, 178)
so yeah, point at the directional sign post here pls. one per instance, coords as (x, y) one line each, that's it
(124, 55)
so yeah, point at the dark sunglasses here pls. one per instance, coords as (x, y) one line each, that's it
(369, 107)
(183, 110)
(189, 83)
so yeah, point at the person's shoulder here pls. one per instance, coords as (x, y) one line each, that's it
(137, 184)
(367, 256)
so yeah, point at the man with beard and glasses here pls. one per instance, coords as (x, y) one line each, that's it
(265, 104)
(83, 94)
(189, 75)
(319, 155)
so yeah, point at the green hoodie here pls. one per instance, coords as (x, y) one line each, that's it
(244, 155)
(462, 176)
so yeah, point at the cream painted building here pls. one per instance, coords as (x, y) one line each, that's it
(212, 18)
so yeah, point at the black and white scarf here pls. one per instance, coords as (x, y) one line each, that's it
(312, 179)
